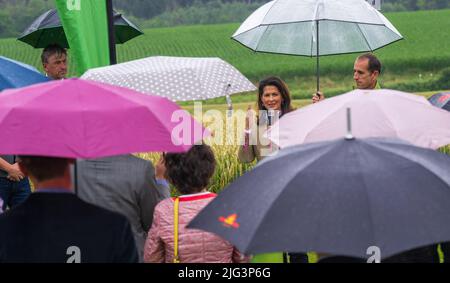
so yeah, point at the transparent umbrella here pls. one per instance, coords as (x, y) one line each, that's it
(316, 28)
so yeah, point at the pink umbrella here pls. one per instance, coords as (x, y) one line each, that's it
(84, 119)
(375, 113)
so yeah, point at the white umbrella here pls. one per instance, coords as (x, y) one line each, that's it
(316, 28)
(176, 78)
(375, 113)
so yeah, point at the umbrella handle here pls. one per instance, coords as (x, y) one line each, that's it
(229, 102)
(317, 58)
(349, 135)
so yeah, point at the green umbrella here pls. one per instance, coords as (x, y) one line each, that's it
(47, 29)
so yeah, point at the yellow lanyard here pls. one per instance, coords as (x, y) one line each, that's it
(175, 231)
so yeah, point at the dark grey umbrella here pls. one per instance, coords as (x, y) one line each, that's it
(339, 197)
(47, 29)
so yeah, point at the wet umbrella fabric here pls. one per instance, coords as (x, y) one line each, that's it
(47, 29)
(14, 74)
(339, 197)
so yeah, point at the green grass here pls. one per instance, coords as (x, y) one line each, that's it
(424, 52)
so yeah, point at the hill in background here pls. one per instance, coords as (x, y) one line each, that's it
(16, 15)
(418, 63)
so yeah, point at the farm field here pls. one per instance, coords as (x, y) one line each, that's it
(418, 58)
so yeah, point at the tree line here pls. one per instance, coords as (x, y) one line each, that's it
(147, 9)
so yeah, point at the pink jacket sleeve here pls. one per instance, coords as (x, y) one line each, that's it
(154, 246)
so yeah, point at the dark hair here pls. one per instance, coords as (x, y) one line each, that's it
(282, 88)
(190, 172)
(374, 63)
(50, 50)
(45, 168)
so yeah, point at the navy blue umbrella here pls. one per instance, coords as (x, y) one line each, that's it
(441, 100)
(14, 74)
(337, 197)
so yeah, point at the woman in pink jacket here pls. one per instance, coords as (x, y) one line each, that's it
(190, 173)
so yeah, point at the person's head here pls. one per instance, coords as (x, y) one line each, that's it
(366, 69)
(42, 169)
(54, 61)
(273, 94)
(190, 172)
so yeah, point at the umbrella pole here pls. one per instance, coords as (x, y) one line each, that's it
(111, 33)
(349, 135)
(75, 177)
(229, 102)
(317, 55)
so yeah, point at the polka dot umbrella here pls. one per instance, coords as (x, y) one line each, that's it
(176, 78)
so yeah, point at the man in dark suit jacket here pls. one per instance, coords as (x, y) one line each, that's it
(125, 184)
(54, 225)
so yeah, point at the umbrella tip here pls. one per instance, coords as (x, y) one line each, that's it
(349, 135)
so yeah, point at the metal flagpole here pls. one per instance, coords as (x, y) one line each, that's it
(111, 33)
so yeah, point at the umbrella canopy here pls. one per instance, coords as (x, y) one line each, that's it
(177, 78)
(14, 74)
(47, 29)
(316, 28)
(376, 113)
(338, 197)
(289, 27)
(441, 100)
(82, 119)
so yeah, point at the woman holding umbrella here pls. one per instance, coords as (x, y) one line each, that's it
(274, 100)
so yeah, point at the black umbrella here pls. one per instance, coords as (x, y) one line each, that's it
(339, 197)
(47, 29)
(441, 100)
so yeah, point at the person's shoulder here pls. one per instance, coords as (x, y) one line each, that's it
(164, 204)
(136, 162)
(98, 212)
(289, 110)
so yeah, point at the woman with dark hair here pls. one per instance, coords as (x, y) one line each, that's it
(274, 100)
(168, 239)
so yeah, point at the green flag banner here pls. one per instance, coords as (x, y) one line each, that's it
(85, 24)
